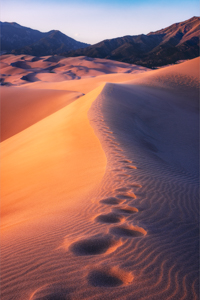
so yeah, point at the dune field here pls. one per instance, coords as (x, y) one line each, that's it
(99, 180)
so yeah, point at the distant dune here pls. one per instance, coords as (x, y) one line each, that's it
(26, 69)
(99, 184)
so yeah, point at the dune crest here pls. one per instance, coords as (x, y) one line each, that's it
(60, 149)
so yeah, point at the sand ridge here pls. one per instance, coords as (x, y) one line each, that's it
(46, 150)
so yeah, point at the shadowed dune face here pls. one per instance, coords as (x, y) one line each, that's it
(161, 122)
(21, 64)
(182, 79)
(31, 77)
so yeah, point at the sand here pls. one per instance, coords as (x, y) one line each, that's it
(99, 180)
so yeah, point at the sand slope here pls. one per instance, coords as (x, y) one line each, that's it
(39, 159)
(100, 195)
(21, 108)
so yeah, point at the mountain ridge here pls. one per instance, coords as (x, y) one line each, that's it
(165, 46)
(17, 39)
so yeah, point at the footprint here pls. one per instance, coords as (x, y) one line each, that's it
(135, 185)
(118, 180)
(126, 209)
(126, 195)
(109, 218)
(109, 277)
(128, 231)
(116, 170)
(115, 143)
(52, 292)
(124, 175)
(95, 246)
(126, 161)
(131, 167)
(122, 189)
(111, 201)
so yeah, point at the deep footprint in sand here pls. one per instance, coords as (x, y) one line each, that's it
(126, 161)
(128, 231)
(111, 201)
(116, 170)
(109, 277)
(133, 185)
(126, 195)
(126, 210)
(124, 175)
(119, 155)
(123, 189)
(94, 246)
(109, 218)
(115, 143)
(131, 167)
(51, 292)
(108, 131)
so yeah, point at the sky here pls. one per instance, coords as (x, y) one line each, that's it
(92, 21)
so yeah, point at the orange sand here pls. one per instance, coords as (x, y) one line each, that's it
(22, 108)
(61, 150)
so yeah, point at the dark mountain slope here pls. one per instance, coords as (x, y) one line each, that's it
(165, 46)
(18, 39)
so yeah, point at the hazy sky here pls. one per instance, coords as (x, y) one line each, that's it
(92, 21)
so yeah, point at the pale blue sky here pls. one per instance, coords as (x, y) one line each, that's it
(92, 21)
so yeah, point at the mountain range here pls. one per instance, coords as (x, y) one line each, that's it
(17, 39)
(166, 46)
(177, 42)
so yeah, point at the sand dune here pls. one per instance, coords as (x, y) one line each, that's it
(40, 158)
(183, 77)
(21, 108)
(100, 191)
(59, 69)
